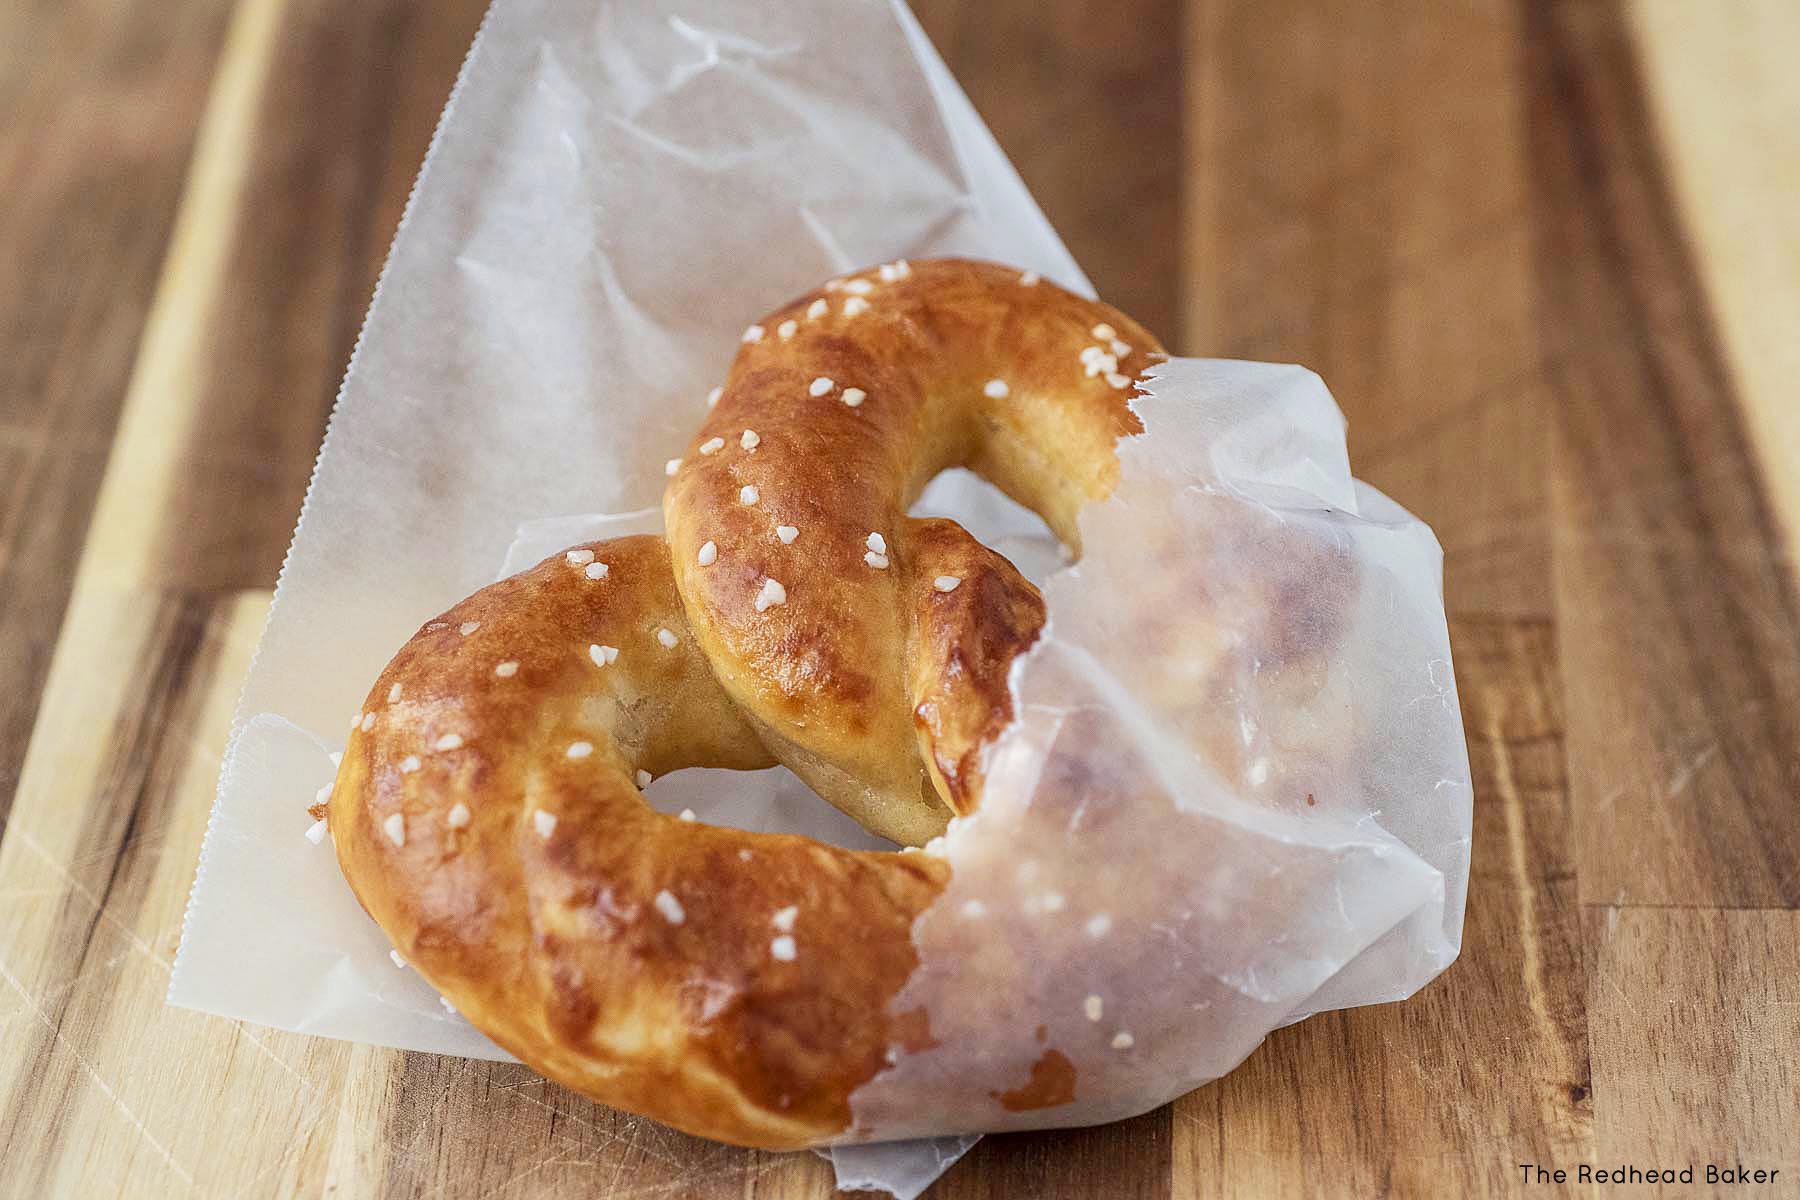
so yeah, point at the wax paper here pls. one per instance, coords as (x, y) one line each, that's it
(615, 190)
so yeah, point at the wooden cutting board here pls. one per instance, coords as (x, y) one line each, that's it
(1546, 255)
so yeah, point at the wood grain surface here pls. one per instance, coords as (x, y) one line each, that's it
(1545, 254)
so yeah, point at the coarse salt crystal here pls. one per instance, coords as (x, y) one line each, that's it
(457, 817)
(543, 822)
(753, 334)
(748, 494)
(772, 594)
(878, 561)
(877, 543)
(669, 907)
(709, 554)
(580, 558)
(784, 918)
(450, 741)
(946, 583)
(316, 832)
(855, 306)
(787, 329)
(667, 638)
(507, 669)
(749, 440)
(783, 949)
(853, 397)
(580, 749)
(819, 386)
(596, 570)
(394, 825)
(712, 445)
(468, 627)
(787, 534)
(817, 309)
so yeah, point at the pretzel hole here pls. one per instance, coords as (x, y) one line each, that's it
(994, 519)
(774, 800)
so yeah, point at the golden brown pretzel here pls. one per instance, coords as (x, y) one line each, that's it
(487, 812)
(487, 816)
(870, 649)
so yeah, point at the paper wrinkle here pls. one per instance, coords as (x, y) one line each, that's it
(903, 1169)
(613, 193)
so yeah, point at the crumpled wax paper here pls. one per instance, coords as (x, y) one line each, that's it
(616, 189)
(1236, 792)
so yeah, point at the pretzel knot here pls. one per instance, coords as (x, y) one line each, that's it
(487, 813)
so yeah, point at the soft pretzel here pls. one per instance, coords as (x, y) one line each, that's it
(871, 650)
(487, 814)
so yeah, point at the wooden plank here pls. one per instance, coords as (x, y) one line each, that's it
(1127, 1160)
(1680, 628)
(1694, 1028)
(1721, 84)
(94, 896)
(100, 102)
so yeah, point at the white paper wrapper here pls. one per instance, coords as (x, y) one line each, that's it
(615, 191)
